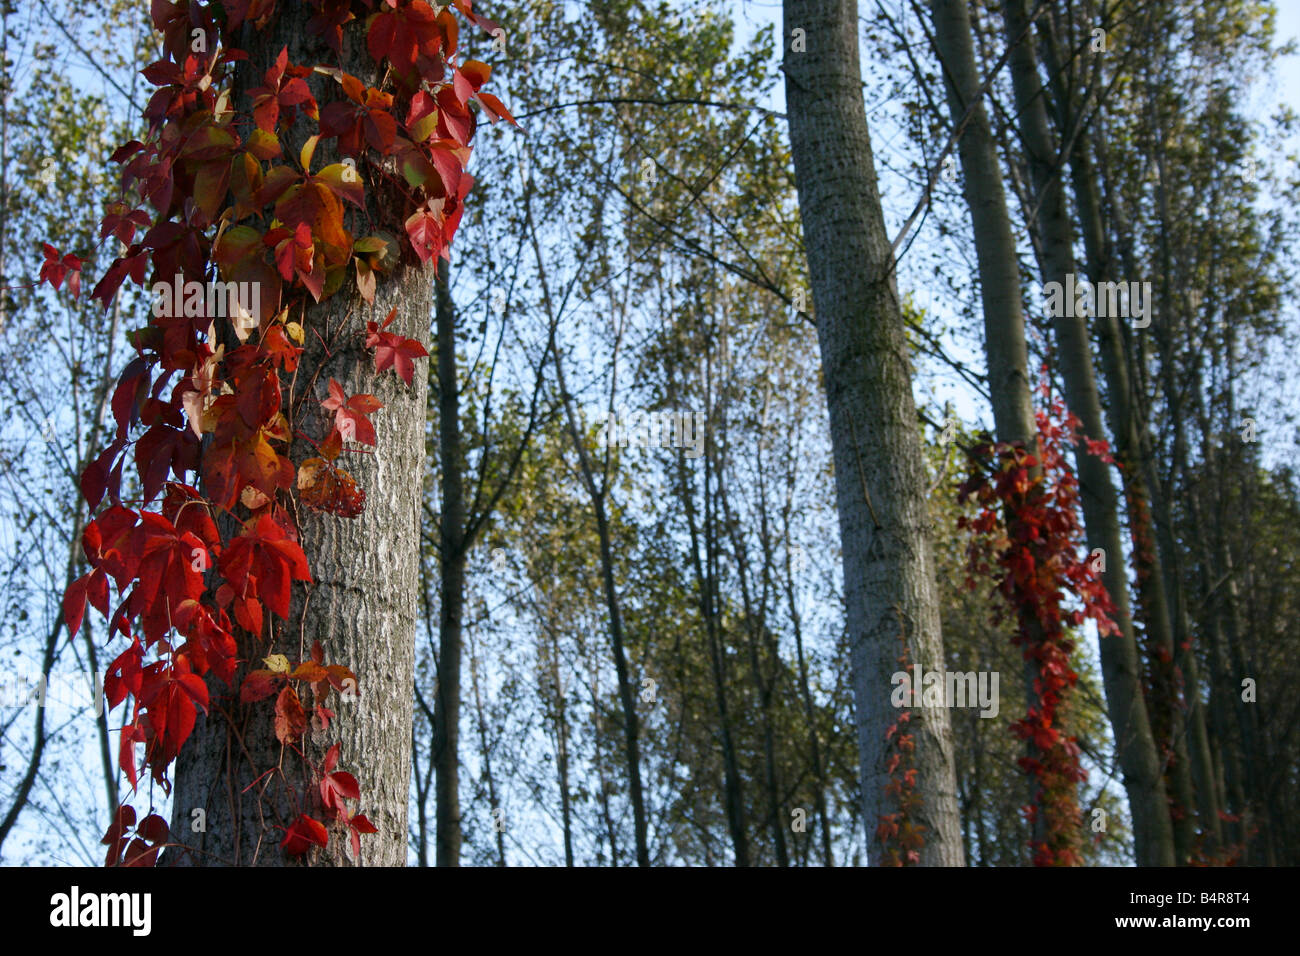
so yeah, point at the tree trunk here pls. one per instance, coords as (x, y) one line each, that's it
(1143, 482)
(451, 556)
(706, 578)
(617, 634)
(561, 744)
(1161, 606)
(499, 821)
(362, 604)
(805, 695)
(1005, 349)
(1121, 673)
(879, 473)
(756, 629)
(1152, 554)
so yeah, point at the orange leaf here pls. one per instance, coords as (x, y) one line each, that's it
(325, 488)
(290, 719)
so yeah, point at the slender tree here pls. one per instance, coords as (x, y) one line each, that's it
(879, 477)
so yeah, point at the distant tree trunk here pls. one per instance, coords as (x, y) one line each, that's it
(1005, 349)
(1167, 709)
(498, 829)
(362, 604)
(1226, 611)
(805, 697)
(1121, 669)
(704, 558)
(598, 494)
(39, 737)
(879, 473)
(72, 571)
(424, 776)
(706, 577)
(757, 639)
(606, 787)
(1161, 605)
(561, 745)
(1142, 482)
(421, 810)
(1223, 693)
(451, 560)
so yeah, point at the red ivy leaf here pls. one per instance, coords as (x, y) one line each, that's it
(131, 735)
(392, 350)
(303, 834)
(264, 561)
(350, 414)
(358, 825)
(335, 787)
(258, 685)
(56, 267)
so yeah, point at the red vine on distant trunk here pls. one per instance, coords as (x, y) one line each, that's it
(1028, 536)
(899, 834)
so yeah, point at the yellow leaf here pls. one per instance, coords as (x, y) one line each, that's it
(308, 150)
(277, 428)
(277, 664)
(309, 472)
(253, 499)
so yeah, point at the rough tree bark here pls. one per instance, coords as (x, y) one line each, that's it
(879, 473)
(362, 604)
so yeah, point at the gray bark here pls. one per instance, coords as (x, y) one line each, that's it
(362, 604)
(879, 473)
(995, 247)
